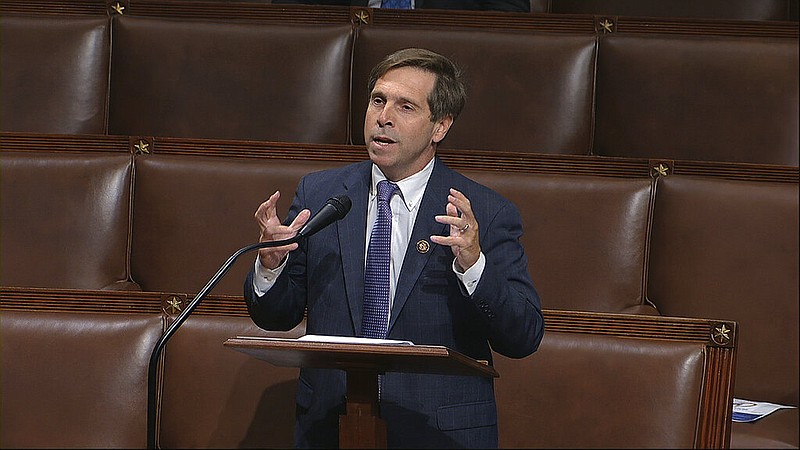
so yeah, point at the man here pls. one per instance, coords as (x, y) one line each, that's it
(457, 277)
(485, 5)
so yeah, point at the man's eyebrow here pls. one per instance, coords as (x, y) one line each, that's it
(408, 100)
(378, 93)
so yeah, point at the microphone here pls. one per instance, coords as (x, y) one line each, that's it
(334, 209)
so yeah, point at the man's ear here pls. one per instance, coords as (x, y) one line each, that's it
(441, 128)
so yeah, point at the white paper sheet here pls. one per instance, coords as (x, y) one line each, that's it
(750, 411)
(351, 340)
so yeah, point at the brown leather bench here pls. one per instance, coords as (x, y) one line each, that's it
(182, 203)
(629, 87)
(613, 230)
(85, 374)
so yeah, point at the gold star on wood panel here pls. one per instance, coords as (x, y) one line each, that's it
(362, 17)
(721, 334)
(607, 26)
(142, 147)
(661, 170)
(118, 8)
(174, 304)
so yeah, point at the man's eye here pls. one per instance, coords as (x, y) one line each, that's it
(377, 101)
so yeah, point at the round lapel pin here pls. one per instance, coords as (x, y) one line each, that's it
(423, 246)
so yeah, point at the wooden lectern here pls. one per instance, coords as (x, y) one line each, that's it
(361, 426)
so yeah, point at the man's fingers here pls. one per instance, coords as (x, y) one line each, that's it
(461, 202)
(300, 220)
(268, 210)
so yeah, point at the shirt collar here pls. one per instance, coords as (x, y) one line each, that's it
(411, 188)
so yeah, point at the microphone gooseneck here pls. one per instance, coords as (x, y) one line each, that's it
(334, 209)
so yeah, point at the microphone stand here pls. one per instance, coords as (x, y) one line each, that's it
(151, 373)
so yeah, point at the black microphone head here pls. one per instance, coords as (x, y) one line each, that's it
(342, 204)
(334, 209)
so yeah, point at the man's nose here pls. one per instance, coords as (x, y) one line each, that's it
(385, 117)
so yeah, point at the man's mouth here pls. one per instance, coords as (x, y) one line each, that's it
(383, 140)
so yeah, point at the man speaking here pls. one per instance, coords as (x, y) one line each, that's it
(425, 255)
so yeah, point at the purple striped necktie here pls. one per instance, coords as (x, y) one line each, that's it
(375, 319)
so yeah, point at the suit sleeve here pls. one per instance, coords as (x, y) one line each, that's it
(505, 294)
(283, 306)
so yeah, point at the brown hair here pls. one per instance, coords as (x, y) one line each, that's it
(448, 95)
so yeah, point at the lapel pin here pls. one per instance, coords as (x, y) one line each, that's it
(423, 246)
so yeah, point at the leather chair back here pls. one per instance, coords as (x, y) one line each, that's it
(231, 80)
(529, 92)
(216, 397)
(65, 219)
(585, 237)
(55, 74)
(706, 98)
(192, 213)
(704, 231)
(75, 380)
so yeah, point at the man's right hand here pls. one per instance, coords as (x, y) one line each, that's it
(272, 230)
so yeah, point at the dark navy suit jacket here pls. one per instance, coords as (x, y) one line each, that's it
(326, 276)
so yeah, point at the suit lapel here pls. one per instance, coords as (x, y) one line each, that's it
(433, 204)
(352, 238)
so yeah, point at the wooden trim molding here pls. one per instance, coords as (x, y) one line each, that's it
(460, 159)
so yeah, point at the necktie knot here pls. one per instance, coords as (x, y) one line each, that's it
(385, 190)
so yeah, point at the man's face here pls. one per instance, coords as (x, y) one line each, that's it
(398, 131)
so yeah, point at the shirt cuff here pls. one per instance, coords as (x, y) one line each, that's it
(264, 278)
(470, 277)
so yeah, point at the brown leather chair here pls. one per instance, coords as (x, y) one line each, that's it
(75, 379)
(617, 381)
(65, 220)
(729, 249)
(192, 213)
(527, 91)
(704, 98)
(230, 80)
(215, 397)
(586, 237)
(55, 73)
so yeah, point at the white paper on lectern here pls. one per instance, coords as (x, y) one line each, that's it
(351, 340)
